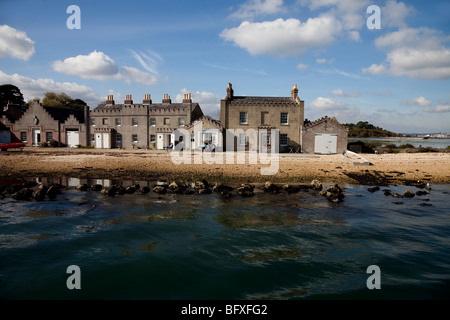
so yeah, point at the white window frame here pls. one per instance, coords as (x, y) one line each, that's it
(241, 114)
(287, 118)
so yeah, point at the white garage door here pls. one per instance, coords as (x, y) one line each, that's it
(325, 143)
(72, 138)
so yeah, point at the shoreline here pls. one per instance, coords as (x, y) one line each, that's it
(151, 165)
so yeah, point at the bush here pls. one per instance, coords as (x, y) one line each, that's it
(43, 144)
(391, 146)
(406, 146)
(56, 144)
(427, 149)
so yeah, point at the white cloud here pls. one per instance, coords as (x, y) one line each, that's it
(322, 60)
(327, 104)
(99, 66)
(15, 43)
(149, 61)
(416, 53)
(130, 74)
(420, 101)
(253, 8)
(439, 109)
(95, 65)
(32, 88)
(394, 14)
(283, 38)
(340, 93)
(208, 101)
(302, 66)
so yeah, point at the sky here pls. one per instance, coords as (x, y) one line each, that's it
(395, 74)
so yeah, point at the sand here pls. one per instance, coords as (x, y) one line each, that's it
(385, 169)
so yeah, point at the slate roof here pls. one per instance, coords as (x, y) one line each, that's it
(61, 114)
(245, 100)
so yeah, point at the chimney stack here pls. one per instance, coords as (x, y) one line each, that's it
(128, 99)
(294, 92)
(147, 99)
(187, 98)
(166, 98)
(109, 100)
(230, 91)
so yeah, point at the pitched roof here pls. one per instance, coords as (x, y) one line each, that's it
(323, 119)
(61, 114)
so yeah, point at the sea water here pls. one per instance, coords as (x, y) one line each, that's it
(270, 246)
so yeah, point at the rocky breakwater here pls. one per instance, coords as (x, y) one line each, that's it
(32, 191)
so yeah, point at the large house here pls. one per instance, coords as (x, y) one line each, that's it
(38, 124)
(246, 123)
(264, 114)
(140, 125)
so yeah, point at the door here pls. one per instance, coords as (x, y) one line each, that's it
(160, 141)
(98, 141)
(36, 137)
(5, 137)
(72, 138)
(106, 144)
(325, 143)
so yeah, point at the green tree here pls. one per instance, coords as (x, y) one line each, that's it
(52, 99)
(10, 93)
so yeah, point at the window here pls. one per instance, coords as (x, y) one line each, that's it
(181, 122)
(134, 122)
(23, 136)
(264, 118)
(92, 137)
(166, 121)
(118, 138)
(118, 122)
(134, 138)
(152, 122)
(242, 139)
(105, 121)
(242, 117)
(92, 122)
(283, 139)
(152, 138)
(48, 136)
(284, 118)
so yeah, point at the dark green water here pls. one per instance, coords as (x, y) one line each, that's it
(285, 246)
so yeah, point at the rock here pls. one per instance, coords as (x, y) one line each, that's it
(290, 188)
(246, 190)
(387, 192)
(222, 188)
(270, 187)
(204, 191)
(110, 191)
(396, 195)
(225, 195)
(130, 189)
(409, 194)
(421, 193)
(96, 187)
(316, 185)
(82, 187)
(202, 187)
(333, 194)
(159, 189)
(23, 194)
(39, 195)
(175, 187)
(373, 189)
(145, 190)
(120, 190)
(53, 191)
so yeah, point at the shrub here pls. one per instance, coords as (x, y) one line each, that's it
(406, 146)
(56, 144)
(43, 144)
(391, 146)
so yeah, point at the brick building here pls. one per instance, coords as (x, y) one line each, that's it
(143, 125)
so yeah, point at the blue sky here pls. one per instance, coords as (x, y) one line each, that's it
(396, 77)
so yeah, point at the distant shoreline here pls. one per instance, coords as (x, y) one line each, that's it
(149, 165)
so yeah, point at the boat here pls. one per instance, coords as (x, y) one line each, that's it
(14, 145)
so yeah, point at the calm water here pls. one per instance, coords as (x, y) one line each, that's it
(297, 246)
(433, 143)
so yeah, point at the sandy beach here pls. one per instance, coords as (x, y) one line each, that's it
(150, 165)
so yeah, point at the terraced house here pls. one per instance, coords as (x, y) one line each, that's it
(145, 125)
